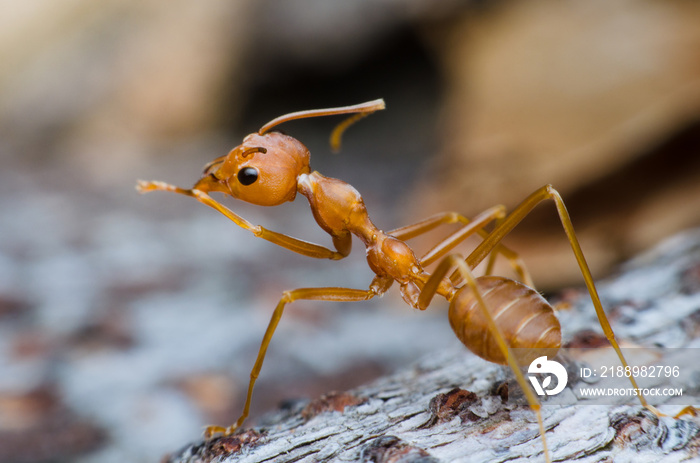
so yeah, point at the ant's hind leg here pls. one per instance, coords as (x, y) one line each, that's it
(316, 294)
(520, 212)
(431, 288)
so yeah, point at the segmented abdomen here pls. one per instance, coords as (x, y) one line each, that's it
(525, 318)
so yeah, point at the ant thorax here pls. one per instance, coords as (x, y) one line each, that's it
(339, 209)
(337, 206)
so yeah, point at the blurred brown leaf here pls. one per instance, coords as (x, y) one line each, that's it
(576, 94)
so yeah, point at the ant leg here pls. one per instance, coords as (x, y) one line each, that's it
(492, 260)
(470, 227)
(514, 218)
(431, 288)
(378, 286)
(473, 226)
(443, 218)
(689, 410)
(305, 248)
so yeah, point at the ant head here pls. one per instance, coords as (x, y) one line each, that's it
(263, 170)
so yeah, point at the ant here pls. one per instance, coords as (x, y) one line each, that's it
(270, 168)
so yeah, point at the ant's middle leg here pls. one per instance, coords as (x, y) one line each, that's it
(476, 225)
(378, 286)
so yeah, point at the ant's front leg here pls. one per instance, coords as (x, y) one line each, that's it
(379, 286)
(342, 243)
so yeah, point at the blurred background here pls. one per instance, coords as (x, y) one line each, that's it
(128, 323)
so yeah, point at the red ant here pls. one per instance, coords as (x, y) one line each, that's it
(270, 168)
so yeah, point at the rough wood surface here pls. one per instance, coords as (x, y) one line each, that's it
(449, 405)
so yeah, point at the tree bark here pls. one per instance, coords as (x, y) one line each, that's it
(453, 406)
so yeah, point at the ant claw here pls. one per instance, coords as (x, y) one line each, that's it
(142, 186)
(689, 410)
(211, 431)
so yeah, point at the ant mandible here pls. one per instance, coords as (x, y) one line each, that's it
(270, 168)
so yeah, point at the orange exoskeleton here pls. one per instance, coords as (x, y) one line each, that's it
(490, 315)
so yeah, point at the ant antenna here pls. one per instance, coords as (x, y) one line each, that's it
(339, 129)
(359, 110)
(255, 149)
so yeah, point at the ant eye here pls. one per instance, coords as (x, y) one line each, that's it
(247, 175)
